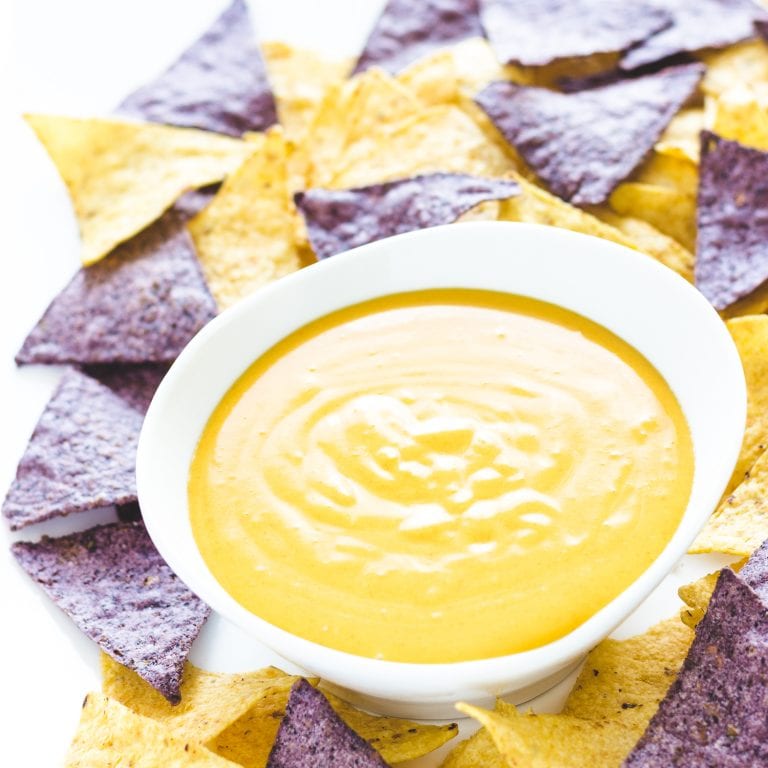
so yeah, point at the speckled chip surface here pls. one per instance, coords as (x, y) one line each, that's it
(340, 219)
(82, 455)
(581, 145)
(141, 304)
(112, 582)
(732, 220)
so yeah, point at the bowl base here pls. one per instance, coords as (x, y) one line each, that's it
(445, 710)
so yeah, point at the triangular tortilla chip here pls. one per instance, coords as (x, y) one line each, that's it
(696, 596)
(82, 455)
(581, 145)
(121, 176)
(714, 713)
(246, 237)
(614, 697)
(111, 736)
(741, 115)
(739, 65)
(696, 24)
(405, 31)
(338, 220)
(210, 701)
(312, 735)
(218, 84)
(112, 582)
(538, 32)
(142, 304)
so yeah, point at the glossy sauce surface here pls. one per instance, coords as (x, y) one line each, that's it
(440, 476)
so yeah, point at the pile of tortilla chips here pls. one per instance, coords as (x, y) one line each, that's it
(643, 123)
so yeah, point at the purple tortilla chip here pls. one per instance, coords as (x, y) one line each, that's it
(697, 24)
(538, 32)
(218, 84)
(129, 513)
(581, 145)
(141, 304)
(407, 30)
(112, 582)
(82, 455)
(340, 219)
(732, 220)
(135, 384)
(715, 712)
(312, 735)
(755, 572)
(761, 25)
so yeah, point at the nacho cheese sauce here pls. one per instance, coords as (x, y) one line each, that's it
(440, 476)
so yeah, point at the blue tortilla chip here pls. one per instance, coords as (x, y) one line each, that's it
(141, 304)
(732, 220)
(581, 145)
(755, 572)
(538, 32)
(715, 712)
(112, 582)
(407, 30)
(82, 455)
(340, 219)
(218, 84)
(312, 735)
(135, 384)
(697, 24)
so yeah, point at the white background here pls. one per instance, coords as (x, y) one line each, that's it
(82, 57)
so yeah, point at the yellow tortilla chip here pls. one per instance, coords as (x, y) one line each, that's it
(745, 63)
(246, 236)
(741, 116)
(740, 524)
(249, 740)
(300, 79)
(210, 701)
(668, 210)
(750, 334)
(681, 137)
(648, 239)
(537, 206)
(441, 138)
(677, 173)
(696, 598)
(433, 79)
(396, 740)
(615, 695)
(476, 65)
(121, 176)
(111, 736)
(478, 751)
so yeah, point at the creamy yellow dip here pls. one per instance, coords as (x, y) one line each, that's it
(440, 476)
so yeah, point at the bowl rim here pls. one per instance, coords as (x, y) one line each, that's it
(425, 681)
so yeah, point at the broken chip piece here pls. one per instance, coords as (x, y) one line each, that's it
(111, 581)
(82, 455)
(581, 145)
(123, 175)
(714, 712)
(218, 84)
(696, 24)
(732, 246)
(110, 735)
(538, 32)
(312, 735)
(142, 304)
(405, 31)
(338, 220)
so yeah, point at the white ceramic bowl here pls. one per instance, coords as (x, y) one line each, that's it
(652, 308)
